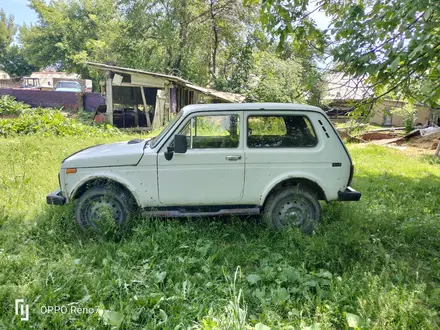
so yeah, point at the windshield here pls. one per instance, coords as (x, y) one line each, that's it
(68, 84)
(157, 139)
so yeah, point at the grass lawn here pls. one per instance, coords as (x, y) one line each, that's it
(374, 264)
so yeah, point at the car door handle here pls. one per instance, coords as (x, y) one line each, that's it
(233, 158)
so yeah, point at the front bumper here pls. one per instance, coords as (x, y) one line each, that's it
(56, 198)
(349, 195)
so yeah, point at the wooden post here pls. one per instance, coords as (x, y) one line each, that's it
(109, 98)
(178, 105)
(182, 97)
(196, 99)
(158, 112)
(80, 101)
(166, 112)
(147, 113)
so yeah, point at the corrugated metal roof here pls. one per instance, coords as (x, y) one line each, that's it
(225, 96)
(341, 87)
(230, 97)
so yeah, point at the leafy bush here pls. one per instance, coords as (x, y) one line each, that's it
(85, 117)
(51, 123)
(8, 105)
(408, 113)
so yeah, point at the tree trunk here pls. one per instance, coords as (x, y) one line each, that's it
(183, 33)
(215, 45)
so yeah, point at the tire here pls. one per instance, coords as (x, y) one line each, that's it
(293, 206)
(101, 207)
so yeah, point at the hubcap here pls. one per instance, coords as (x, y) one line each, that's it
(101, 209)
(294, 212)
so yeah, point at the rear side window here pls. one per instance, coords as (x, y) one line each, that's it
(280, 131)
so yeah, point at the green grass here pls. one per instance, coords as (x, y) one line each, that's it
(374, 264)
(355, 128)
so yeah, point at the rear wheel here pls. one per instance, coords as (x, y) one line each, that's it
(293, 206)
(103, 207)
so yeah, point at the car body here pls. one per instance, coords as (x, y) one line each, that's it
(202, 164)
(68, 86)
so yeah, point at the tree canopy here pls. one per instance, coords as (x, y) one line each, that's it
(393, 45)
(219, 43)
(12, 59)
(7, 30)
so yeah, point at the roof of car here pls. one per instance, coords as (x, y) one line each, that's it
(250, 106)
(68, 81)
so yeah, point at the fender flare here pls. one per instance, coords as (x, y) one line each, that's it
(105, 176)
(291, 176)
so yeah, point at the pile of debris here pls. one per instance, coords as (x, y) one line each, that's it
(425, 138)
(371, 135)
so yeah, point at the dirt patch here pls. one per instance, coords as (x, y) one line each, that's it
(377, 136)
(384, 142)
(349, 138)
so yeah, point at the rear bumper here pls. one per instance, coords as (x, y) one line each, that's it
(349, 195)
(56, 198)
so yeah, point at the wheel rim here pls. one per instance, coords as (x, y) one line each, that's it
(295, 211)
(101, 208)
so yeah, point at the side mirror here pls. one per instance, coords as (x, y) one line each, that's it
(180, 144)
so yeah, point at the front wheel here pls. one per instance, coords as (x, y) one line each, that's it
(293, 206)
(101, 207)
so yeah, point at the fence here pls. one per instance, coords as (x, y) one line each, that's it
(52, 99)
(8, 83)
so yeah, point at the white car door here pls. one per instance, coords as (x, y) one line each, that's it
(211, 172)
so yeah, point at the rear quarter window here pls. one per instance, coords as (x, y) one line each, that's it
(280, 131)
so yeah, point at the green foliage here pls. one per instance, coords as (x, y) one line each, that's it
(71, 32)
(14, 62)
(48, 122)
(85, 117)
(214, 43)
(7, 30)
(9, 106)
(293, 25)
(354, 127)
(267, 126)
(374, 264)
(396, 45)
(275, 80)
(392, 45)
(240, 72)
(407, 112)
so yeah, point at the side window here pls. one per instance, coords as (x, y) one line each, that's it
(209, 132)
(280, 131)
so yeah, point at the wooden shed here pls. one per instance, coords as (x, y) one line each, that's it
(157, 93)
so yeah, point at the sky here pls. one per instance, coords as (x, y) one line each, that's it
(20, 10)
(24, 14)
